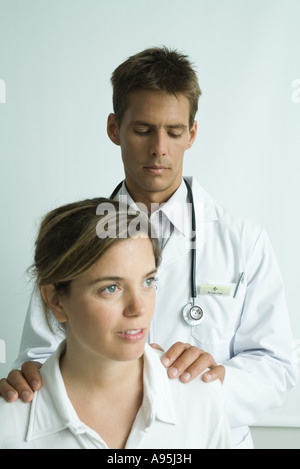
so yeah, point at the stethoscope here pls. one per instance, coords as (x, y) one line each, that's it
(192, 313)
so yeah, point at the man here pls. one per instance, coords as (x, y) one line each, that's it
(244, 338)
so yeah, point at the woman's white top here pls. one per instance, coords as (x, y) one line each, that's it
(172, 415)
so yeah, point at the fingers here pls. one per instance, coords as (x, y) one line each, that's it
(32, 375)
(21, 383)
(183, 360)
(16, 386)
(157, 347)
(174, 353)
(216, 372)
(7, 391)
(188, 362)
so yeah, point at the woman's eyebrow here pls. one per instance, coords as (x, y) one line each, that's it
(114, 278)
(104, 279)
(153, 272)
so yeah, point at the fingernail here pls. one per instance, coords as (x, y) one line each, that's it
(186, 376)
(173, 372)
(10, 395)
(165, 361)
(34, 384)
(25, 396)
(207, 377)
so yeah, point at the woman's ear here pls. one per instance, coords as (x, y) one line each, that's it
(113, 129)
(52, 299)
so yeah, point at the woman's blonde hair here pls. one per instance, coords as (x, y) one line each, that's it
(73, 237)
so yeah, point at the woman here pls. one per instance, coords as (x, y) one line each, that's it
(105, 387)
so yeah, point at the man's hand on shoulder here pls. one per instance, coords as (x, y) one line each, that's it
(21, 384)
(186, 362)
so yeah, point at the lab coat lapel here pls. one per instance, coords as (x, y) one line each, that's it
(176, 247)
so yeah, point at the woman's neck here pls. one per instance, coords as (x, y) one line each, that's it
(106, 396)
(95, 374)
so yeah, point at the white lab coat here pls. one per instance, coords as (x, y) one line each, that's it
(249, 334)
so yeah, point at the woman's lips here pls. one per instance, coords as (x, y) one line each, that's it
(133, 335)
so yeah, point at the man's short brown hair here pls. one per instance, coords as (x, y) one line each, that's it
(158, 69)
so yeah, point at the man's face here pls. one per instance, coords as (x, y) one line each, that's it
(153, 135)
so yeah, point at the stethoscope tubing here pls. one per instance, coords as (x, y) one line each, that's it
(190, 307)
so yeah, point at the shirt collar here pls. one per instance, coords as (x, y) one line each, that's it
(177, 209)
(51, 410)
(157, 391)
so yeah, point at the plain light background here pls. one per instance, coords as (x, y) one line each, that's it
(56, 58)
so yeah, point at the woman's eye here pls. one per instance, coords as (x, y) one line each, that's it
(110, 289)
(150, 282)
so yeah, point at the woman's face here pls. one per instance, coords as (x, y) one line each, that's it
(110, 307)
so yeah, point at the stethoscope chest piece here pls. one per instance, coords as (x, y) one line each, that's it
(193, 314)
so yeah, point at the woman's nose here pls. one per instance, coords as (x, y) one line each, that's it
(135, 306)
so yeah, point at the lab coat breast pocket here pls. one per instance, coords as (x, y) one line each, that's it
(222, 316)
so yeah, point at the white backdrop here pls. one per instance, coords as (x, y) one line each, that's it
(56, 58)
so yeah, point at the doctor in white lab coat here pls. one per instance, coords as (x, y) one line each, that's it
(249, 334)
(246, 329)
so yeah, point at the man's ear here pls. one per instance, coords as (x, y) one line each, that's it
(113, 129)
(51, 298)
(193, 134)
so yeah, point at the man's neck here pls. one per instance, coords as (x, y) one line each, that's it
(151, 199)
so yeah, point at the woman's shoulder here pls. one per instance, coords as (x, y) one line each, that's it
(196, 392)
(212, 391)
(199, 404)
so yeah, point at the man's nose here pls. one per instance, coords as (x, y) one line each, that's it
(159, 144)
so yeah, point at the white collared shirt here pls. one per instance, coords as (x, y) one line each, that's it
(171, 218)
(172, 415)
